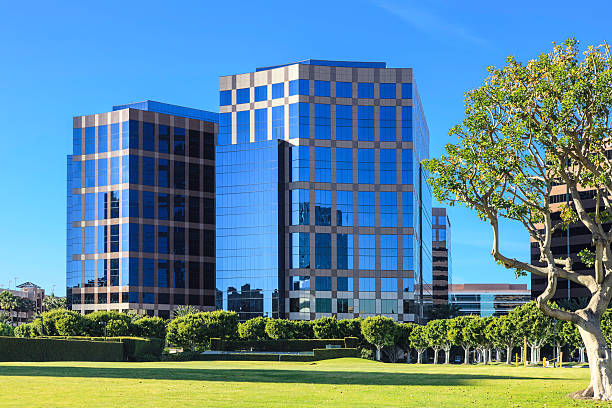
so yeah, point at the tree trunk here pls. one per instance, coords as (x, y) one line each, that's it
(508, 355)
(377, 353)
(466, 355)
(581, 353)
(498, 355)
(447, 355)
(436, 351)
(600, 366)
(420, 356)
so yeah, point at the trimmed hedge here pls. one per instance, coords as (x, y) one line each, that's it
(324, 354)
(46, 349)
(351, 342)
(273, 345)
(134, 348)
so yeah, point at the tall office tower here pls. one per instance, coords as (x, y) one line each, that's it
(442, 260)
(322, 205)
(141, 226)
(568, 242)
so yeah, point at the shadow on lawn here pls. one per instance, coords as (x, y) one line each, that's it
(257, 375)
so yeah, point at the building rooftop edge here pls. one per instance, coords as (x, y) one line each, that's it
(171, 109)
(329, 63)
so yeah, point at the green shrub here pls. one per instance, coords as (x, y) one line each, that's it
(23, 330)
(117, 328)
(323, 354)
(302, 329)
(69, 325)
(367, 353)
(6, 330)
(141, 349)
(75, 324)
(195, 330)
(350, 328)
(222, 324)
(253, 329)
(326, 328)
(97, 321)
(150, 326)
(281, 345)
(280, 329)
(45, 349)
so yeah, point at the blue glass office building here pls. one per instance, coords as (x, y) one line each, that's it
(140, 209)
(322, 205)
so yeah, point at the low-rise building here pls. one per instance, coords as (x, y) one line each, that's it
(30, 291)
(488, 299)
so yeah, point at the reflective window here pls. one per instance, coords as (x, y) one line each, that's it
(114, 240)
(90, 207)
(299, 283)
(242, 95)
(300, 207)
(89, 274)
(194, 143)
(90, 173)
(323, 283)
(261, 93)
(407, 91)
(344, 90)
(179, 175)
(163, 273)
(115, 170)
(365, 168)
(388, 166)
(323, 305)
(407, 209)
(365, 90)
(129, 203)
(388, 123)
(367, 306)
(102, 138)
(129, 168)
(388, 306)
(225, 98)
(367, 284)
(365, 123)
(102, 172)
(179, 207)
(102, 281)
(179, 241)
(278, 122)
(388, 209)
(387, 91)
(367, 209)
(148, 238)
(344, 259)
(298, 87)
(344, 122)
(388, 284)
(148, 272)
(163, 173)
(299, 163)
(148, 136)
(163, 206)
(407, 123)
(261, 124)
(115, 137)
(367, 253)
(148, 171)
(323, 251)
(441, 235)
(345, 306)
(322, 207)
(407, 171)
(300, 248)
(179, 141)
(408, 284)
(321, 88)
(408, 252)
(388, 252)
(89, 236)
(344, 208)
(114, 204)
(278, 90)
(179, 274)
(90, 140)
(322, 121)
(345, 284)
(299, 305)
(323, 164)
(344, 165)
(77, 144)
(225, 128)
(102, 205)
(298, 120)
(114, 275)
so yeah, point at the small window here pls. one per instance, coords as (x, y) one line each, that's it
(242, 95)
(344, 90)
(225, 98)
(278, 90)
(387, 91)
(261, 93)
(321, 88)
(323, 283)
(365, 90)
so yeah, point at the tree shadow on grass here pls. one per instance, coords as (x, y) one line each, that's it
(257, 375)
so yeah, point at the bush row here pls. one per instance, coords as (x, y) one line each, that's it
(274, 345)
(62, 322)
(46, 349)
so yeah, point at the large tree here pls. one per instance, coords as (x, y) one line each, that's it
(528, 128)
(456, 336)
(436, 336)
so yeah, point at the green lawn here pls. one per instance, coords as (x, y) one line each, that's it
(331, 383)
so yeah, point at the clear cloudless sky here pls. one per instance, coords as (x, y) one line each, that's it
(62, 59)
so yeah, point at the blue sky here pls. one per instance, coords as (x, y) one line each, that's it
(73, 58)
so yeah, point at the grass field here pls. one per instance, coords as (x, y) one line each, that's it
(331, 383)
